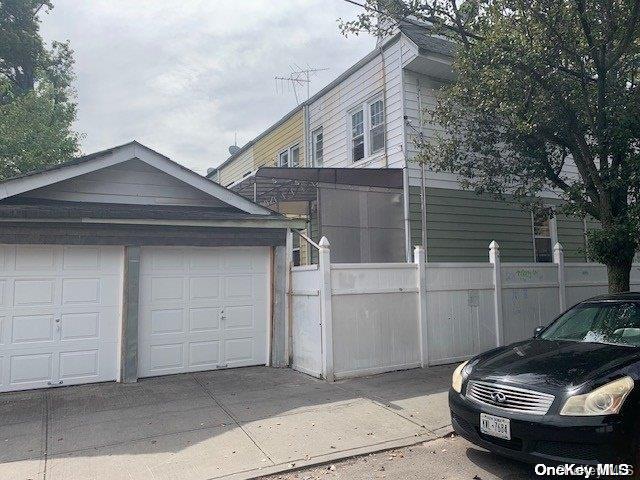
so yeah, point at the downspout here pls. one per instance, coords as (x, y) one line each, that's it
(407, 220)
(384, 101)
(423, 179)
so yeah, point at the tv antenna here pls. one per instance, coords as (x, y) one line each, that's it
(299, 77)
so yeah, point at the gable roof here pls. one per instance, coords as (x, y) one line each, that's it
(425, 40)
(122, 153)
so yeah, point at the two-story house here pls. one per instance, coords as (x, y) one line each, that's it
(344, 160)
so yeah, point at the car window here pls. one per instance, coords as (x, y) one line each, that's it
(607, 322)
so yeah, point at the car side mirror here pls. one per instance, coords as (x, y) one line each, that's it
(537, 332)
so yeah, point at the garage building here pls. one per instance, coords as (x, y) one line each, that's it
(124, 264)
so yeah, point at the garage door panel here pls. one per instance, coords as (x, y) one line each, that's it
(166, 357)
(80, 326)
(35, 258)
(31, 368)
(165, 321)
(224, 301)
(32, 329)
(205, 288)
(60, 315)
(240, 351)
(166, 289)
(206, 319)
(28, 292)
(205, 354)
(79, 364)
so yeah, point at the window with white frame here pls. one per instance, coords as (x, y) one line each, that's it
(317, 149)
(544, 236)
(289, 157)
(357, 135)
(367, 129)
(376, 126)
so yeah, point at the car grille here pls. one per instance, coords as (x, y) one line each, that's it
(509, 398)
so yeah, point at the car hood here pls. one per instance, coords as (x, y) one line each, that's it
(546, 363)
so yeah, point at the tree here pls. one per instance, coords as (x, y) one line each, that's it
(37, 101)
(543, 87)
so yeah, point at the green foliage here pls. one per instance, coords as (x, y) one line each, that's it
(612, 246)
(37, 101)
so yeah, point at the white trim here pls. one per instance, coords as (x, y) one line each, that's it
(122, 154)
(365, 108)
(288, 151)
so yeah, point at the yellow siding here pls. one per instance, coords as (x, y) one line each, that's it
(238, 168)
(266, 150)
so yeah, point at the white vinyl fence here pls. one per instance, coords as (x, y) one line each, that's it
(350, 320)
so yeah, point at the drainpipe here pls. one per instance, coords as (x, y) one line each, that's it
(423, 180)
(384, 100)
(407, 222)
(308, 152)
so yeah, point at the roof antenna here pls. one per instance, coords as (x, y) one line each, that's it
(297, 78)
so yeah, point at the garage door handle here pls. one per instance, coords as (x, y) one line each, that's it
(54, 384)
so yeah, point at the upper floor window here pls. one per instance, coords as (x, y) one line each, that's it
(357, 135)
(317, 146)
(289, 157)
(367, 129)
(376, 126)
(544, 234)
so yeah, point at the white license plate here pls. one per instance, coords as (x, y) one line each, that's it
(495, 426)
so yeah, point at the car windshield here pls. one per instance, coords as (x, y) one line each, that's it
(605, 322)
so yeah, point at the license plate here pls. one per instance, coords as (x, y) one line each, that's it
(495, 426)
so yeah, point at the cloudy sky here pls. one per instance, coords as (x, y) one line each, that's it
(183, 76)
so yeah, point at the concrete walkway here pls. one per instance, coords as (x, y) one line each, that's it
(238, 423)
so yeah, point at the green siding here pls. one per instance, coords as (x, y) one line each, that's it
(461, 225)
(571, 236)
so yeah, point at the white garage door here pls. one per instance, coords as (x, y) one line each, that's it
(202, 308)
(60, 309)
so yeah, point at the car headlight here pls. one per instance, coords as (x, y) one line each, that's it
(459, 376)
(605, 400)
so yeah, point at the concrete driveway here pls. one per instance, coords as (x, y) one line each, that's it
(237, 423)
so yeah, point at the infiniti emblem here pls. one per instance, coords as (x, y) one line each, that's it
(498, 397)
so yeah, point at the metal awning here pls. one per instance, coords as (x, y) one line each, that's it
(271, 185)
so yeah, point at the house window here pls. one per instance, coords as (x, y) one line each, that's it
(294, 156)
(317, 146)
(543, 237)
(376, 126)
(289, 157)
(357, 135)
(367, 129)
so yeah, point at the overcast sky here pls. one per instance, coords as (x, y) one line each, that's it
(182, 76)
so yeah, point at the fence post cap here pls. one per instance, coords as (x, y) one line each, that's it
(558, 246)
(418, 247)
(324, 242)
(494, 245)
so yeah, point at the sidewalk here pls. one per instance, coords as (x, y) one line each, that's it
(237, 423)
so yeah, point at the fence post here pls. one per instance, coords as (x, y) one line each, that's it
(494, 258)
(558, 259)
(420, 259)
(324, 266)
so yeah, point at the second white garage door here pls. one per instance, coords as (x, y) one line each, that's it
(202, 308)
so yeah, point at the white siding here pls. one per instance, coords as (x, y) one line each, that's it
(420, 96)
(331, 109)
(131, 182)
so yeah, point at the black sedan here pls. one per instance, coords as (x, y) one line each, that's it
(569, 395)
